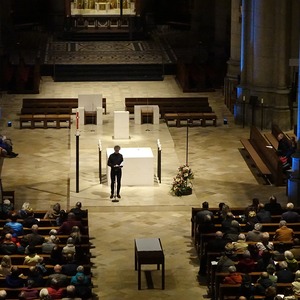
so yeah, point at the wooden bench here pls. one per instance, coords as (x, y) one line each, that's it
(264, 156)
(190, 117)
(170, 104)
(42, 113)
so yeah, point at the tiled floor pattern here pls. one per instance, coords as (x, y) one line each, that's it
(44, 173)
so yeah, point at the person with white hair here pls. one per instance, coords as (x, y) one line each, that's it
(265, 244)
(290, 216)
(284, 233)
(233, 277)
(291, 261)
(44, 294)
(240, 246)
(255, 235)
(3, 294)
(296, 283)
(33, 238)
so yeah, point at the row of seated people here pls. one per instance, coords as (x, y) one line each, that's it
(231, 225)
(251, 252)
(37, 266)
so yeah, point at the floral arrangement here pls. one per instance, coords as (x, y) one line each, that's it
(182, 184)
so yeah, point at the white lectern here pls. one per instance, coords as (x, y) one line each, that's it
(138, 110)
(121, 124)
(90, 103)
(138, 166)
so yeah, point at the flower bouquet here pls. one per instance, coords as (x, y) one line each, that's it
(182, 184)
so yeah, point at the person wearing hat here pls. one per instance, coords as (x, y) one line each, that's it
(6, 208)
(69, 248)
(115, 162)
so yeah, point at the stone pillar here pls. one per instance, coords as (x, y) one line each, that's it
(233, 64)
(264, 62)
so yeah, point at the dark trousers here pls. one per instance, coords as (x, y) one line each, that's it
(115, 173)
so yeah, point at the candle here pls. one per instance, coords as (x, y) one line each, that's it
(244, 98)
(262, 100)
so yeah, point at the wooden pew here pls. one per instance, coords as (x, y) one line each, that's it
(190, 117)
(49, 110)
(171, 104)
(264, 157)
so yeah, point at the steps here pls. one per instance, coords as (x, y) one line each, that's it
(121, 72)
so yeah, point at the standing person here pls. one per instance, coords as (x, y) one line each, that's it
(115, 161)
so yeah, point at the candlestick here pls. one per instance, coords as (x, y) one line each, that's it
(77, 121)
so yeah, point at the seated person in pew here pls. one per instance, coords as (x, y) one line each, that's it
(54, 290)
(273, 206)
(3, 294)
(284, 275)
(283, 233)
(291, 261)
(246, 263)
(33, 238)
(265, 261)
(78, 211)
(296, 283)
(270, 292)
(30, 220)
(82, 284)
(265, 243)
(285, 148)
(214, 245)
(255, 235)
(6, 144)
(250, 219)
(296, 248)
(253, 206)
(32, 258)
(61, 278)
(15, 279)
(36, 275)
(6, 208)
(234, 277)
(44, 294)
(240, 246)
(66, 226)
(56, 214)
(71, 293)
(8, 246)
(226, 223)
(5, 266)
(290, 216)
(200, 216)
(247, 287)
(263, 216)
(224, 263)
(16, 226)
(23, 212)
(231, 234)
(29, 292)
(271, 269)
(263, 282)
(69, 268)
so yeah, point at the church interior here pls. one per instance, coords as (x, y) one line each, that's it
(231, 53)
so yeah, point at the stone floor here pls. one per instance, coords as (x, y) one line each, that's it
(44, 173)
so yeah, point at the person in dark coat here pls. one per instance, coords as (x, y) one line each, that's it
(263, 216)
(290, 216)
(273, 206)
(284, 275)
(66, 227)
(115, 162)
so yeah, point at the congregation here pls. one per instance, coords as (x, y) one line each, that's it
(44, 254)
(248, 251)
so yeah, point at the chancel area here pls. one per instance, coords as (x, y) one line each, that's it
(195, 93)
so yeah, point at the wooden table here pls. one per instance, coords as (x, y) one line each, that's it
(149, 251)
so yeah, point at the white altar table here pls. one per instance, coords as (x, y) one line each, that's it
(138, 169)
